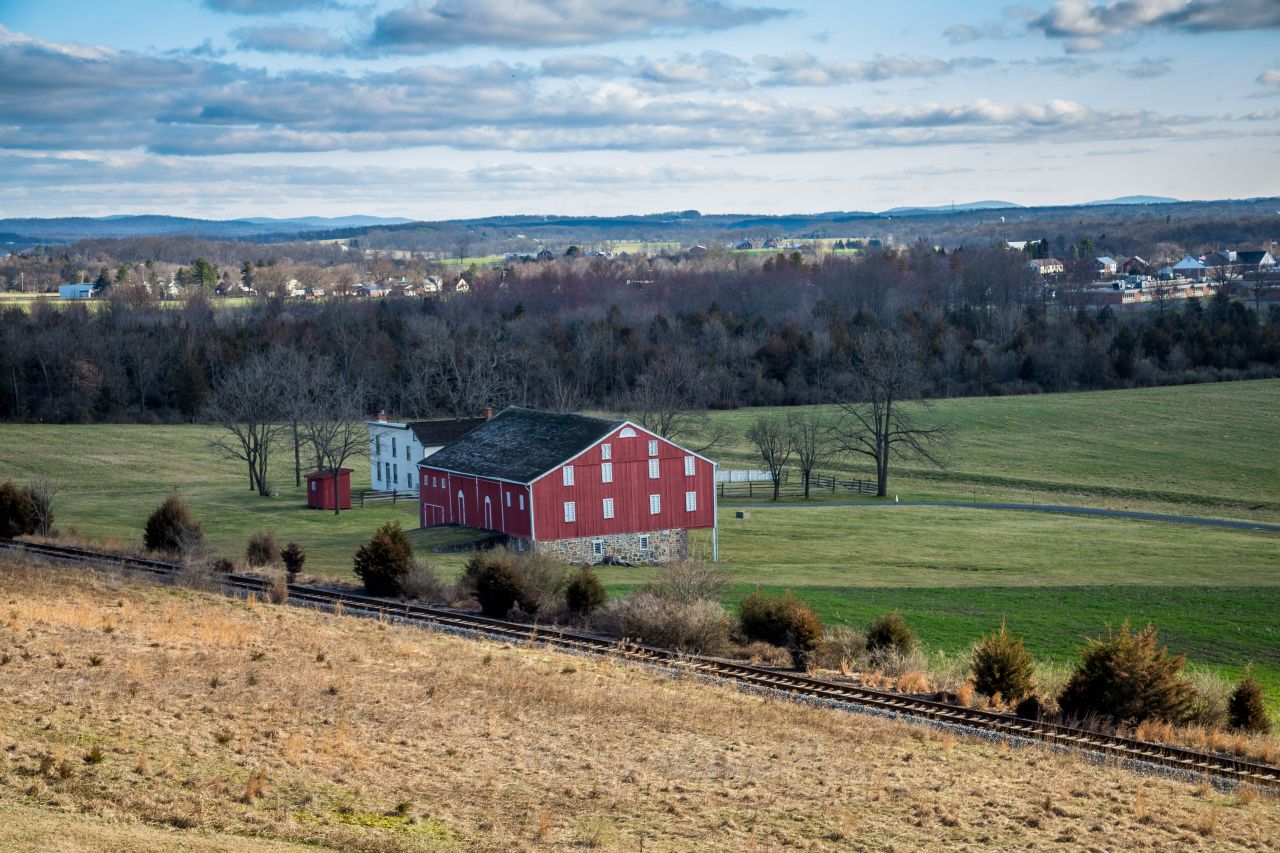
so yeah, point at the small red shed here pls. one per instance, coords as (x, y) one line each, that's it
(323, 486)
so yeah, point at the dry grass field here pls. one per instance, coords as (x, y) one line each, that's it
(146, 718)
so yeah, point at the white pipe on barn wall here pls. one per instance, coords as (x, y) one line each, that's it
(715, 513)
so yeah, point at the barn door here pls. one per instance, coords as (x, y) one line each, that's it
(462, 509)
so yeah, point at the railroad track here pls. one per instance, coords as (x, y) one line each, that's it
(1190, 762)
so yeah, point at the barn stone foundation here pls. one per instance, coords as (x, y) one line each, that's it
(665, 546)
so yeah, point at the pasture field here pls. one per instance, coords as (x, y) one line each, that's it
(138, 717)
(1191, 449)
(953, 572)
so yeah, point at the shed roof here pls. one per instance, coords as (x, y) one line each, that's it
(436, 433)
(521, 444)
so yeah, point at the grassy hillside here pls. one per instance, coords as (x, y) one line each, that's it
(180, 719)
(113, 476)
(953, 572)
(1199, 449)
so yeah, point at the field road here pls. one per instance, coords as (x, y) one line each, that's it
(1070, 510)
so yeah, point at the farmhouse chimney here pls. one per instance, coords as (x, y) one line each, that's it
(488, 414)
(382, 416)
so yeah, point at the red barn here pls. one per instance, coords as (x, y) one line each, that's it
(324, 486)
(575, 487)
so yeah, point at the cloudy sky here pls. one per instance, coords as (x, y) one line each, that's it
(448, 108)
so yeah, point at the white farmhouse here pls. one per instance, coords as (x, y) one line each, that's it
(396, 447)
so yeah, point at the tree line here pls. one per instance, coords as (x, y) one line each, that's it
(575, 334)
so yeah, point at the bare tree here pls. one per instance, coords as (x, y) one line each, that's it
(43, 490)
(246, 405)
(874, 419)
(811, 442)
(1259, 284)
(668, 399)
(772, 437)
(333, 423)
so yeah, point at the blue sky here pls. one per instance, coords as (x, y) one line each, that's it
(449, 108)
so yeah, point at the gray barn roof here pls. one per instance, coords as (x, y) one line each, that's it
(436, 433)
(521, 444)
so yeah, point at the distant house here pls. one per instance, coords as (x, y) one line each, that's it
(372, 291)
(1255, 260)
(1047, 266)
(545, 255)
(1019, 245)
(1105, 266)
(75, 291)
(1134, 265)
(744, 246)
(580, 489)
(462, 286)
(395, 447)
(698, 250)
(432, 284)
(1188, 267)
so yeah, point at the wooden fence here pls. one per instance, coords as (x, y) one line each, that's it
(387, 497)
(791, 485)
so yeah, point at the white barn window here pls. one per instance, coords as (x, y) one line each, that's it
(508, 499)
(521, 499)
(627, 432)
(653, 469)
(606, 451)
(644, 543)
(653, 448)
(567, 471)
(655, 504)
(688, 466)
(606, 472)
(570, 512)
(608, 507)
(597, 548)
(690, 501)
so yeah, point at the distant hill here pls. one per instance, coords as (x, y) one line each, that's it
(1134, 199)
(949, 208)
(330, 221)
(71, 228)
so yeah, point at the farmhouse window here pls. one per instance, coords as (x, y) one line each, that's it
(393, 445)
(688, 466)
(377, 470)
(606, 472)
(653, 448)
(597, 548)
(608, 507)
(655, 504)
(395, 475)
(408, 481)
(690, 501)
(406, 454)
(606, 451)
(570, 512)
(377, 446)
(644, 543)
(567, 472)
(653, 469)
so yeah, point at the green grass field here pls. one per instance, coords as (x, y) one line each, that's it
(1193, 449)
(953, 572)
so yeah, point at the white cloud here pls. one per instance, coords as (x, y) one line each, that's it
(803, 69)
(288, 38)
(1090, 26)
(435, 25)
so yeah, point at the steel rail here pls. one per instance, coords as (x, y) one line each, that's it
(1222, 767)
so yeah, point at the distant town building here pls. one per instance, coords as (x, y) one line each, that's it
(75, 291)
